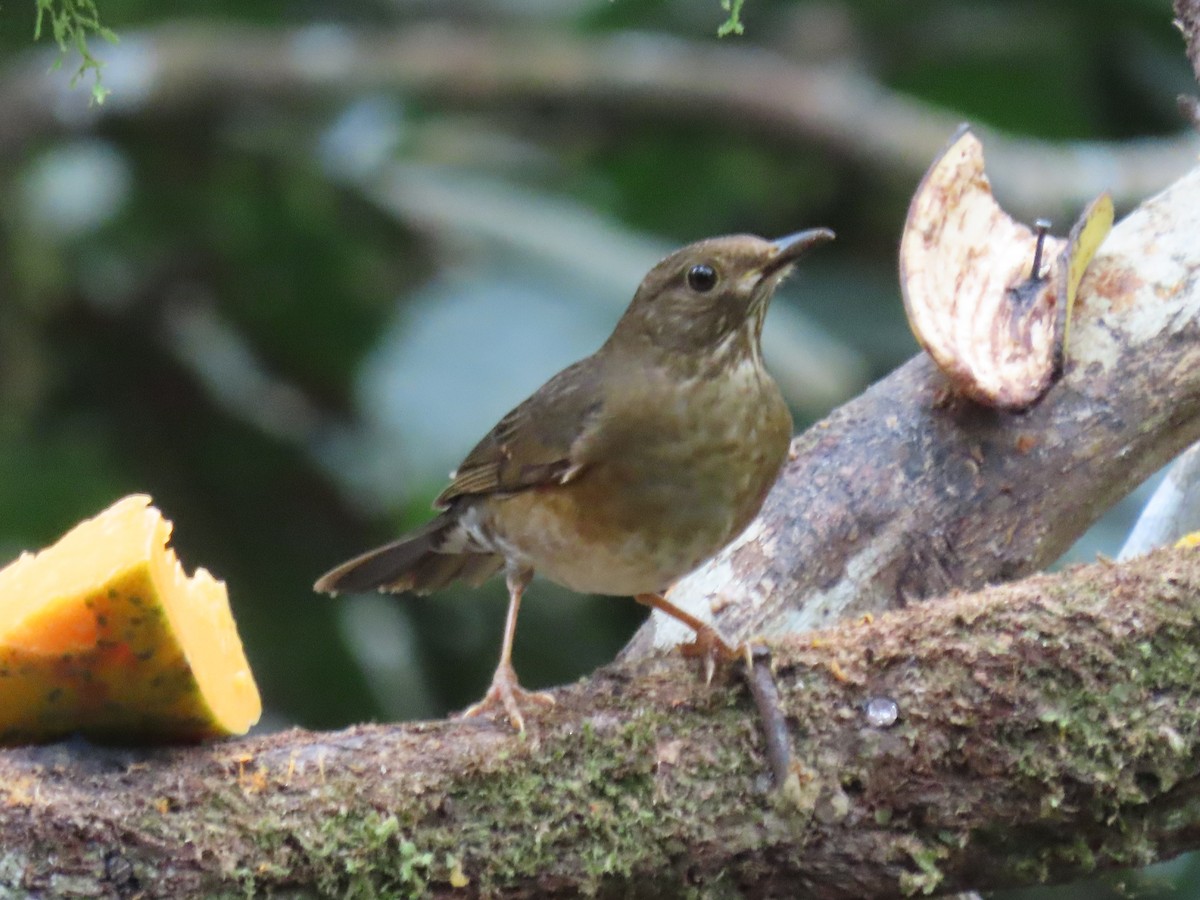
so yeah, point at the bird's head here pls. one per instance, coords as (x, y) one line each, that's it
(709, 298)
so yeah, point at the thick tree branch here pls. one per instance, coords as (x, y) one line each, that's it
(623, 75)
(1045, 729)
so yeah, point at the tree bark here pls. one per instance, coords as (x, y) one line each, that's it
(1187, 17)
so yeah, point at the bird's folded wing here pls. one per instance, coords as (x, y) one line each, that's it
(541, 442)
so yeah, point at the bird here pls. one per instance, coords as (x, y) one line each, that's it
(629, 468)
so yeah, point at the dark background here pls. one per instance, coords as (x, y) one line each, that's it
(285, 307)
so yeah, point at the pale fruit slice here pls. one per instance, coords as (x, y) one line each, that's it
(987, 297)
(104, 635)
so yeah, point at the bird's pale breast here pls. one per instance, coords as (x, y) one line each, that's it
(679, 470)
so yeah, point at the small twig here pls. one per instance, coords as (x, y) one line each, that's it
(761, 678)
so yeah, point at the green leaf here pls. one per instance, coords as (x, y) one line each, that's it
(732, 25)
(72, 22)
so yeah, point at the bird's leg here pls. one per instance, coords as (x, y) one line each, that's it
(505, 689)
(708, 643)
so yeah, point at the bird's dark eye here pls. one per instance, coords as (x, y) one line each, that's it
(702, 278)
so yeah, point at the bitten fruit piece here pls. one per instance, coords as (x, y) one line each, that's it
(104, 634)
(987, 297)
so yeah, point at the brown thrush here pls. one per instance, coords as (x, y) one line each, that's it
(626, 470)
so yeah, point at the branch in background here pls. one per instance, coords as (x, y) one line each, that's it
(1045, 730)
(814, 369)
(907, 492)
(1187, 19)
(644, 75)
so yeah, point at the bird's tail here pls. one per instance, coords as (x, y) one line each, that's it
(423, 561)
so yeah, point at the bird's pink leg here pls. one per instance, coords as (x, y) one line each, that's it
(506, 690)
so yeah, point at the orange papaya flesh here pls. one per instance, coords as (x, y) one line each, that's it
(103, 634)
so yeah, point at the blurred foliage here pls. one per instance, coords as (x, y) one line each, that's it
(72, 22)
(197, 299)
(732, 25)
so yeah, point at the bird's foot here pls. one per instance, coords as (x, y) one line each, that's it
(507, 693)
(709, 647)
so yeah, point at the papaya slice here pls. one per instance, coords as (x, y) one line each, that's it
(105, 635)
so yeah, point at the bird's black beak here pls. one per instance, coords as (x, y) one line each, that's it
(791, 248)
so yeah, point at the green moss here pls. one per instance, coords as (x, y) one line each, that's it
(929, 875)
(1084, 716)
(628, 792)
(356, 854)
(1120, 730)
(606, 808)
(596, 798)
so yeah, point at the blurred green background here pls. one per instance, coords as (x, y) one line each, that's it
(306, 253)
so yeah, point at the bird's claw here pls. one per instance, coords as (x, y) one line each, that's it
(507, 692)
(712, 649)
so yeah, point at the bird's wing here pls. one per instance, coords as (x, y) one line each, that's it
(541, 442)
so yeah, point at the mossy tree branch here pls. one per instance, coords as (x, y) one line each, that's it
(1046, 729)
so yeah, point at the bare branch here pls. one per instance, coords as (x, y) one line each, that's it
(621, 76)
(1173, 511)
